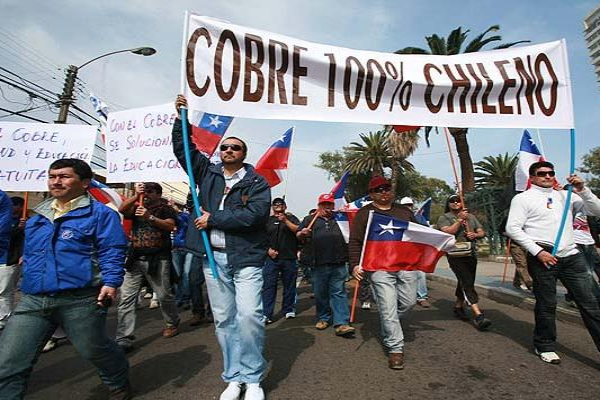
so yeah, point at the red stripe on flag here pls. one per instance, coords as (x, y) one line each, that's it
(400, 256)
(204, 140)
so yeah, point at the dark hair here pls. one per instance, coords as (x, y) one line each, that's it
(244, 147)
(17, 201)
(80, 167)
(537, 165)
(153, 186)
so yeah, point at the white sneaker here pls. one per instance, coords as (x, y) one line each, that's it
(153, 304)
(548, 356)
(290, 315)
(233, 391)
(366, 305)
(51, 344)
(254, 392)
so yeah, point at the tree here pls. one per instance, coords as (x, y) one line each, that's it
(439, 45)
(401, 145)
(372, 155)
(591, 165)
(495, 171)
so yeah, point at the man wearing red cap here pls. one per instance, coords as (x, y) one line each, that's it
(326, 251)
(395, 291)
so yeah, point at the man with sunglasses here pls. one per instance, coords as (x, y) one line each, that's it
(395, 292)
(236, 202)
(533, 222)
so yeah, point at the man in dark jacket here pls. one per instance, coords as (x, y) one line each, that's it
(235, 202)
(328, 254)
(72, 266)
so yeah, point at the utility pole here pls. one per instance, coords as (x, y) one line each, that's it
(66, 98)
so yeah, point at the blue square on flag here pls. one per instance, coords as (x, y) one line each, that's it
(216, 124)
(385, 228)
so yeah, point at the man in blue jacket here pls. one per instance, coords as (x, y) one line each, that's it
(236, 203)
(72, 266)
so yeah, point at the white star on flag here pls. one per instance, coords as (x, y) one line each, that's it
(389, 228)
(214, 121)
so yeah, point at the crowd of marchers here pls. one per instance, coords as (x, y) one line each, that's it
(74, 259)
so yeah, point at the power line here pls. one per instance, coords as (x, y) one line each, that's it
(17, 113)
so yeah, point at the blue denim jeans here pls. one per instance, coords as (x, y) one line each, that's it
(422, 293)
(235, 298)
(395, 294)
(188, 267)
(288, 271)
(32, 324)
(575, 275)
(330, 293)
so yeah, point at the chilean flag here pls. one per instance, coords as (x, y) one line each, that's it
(208, 130)
(528, 154)
(424, 210)
(105, 195)
(338, 191)
(345, 216)
(275, 159)
(395, 245)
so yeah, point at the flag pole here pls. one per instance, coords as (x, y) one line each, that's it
(540, 140)
(192, 183)
(362, 255)
(568, 199)
(458, 183)
(25, 205)
(287, 171)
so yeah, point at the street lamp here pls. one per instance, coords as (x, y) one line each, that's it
(66, 98)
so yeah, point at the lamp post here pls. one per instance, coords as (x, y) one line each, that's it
(66, 98)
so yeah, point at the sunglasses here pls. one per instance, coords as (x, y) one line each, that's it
(541, 174)
(382, 189)
(234, 147)
(454, 201)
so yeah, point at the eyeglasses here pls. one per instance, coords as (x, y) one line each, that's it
(382, 189)
(234, 147)
(541, 174)
(454, 201)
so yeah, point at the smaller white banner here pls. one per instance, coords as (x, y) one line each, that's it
(28, 149)
(139, 146)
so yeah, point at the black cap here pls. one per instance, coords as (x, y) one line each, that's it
(278, 200)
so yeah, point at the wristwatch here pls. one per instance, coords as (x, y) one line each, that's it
(152, 218)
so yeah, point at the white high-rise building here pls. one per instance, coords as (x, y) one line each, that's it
(591, 24)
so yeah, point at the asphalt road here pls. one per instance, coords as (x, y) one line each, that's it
(444, 359)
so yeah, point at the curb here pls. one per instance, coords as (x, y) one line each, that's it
(507, 296)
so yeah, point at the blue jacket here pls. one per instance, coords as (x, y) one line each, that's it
(5, 225)
(183, 220)
(84, 248)
(246, 208)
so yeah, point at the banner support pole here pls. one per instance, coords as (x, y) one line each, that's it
(563, 220)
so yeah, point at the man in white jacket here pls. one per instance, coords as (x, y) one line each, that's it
(533, 222)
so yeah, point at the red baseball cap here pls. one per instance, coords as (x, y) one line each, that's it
(377, 181)
(326, 198)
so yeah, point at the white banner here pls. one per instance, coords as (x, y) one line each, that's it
(139, 146)
(238, 71)
(28, 149)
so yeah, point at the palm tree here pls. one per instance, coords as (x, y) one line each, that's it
(401, 145)
(370, 156)
(439, 45)
(495, 172)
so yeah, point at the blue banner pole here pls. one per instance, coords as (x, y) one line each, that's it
(563, 220)
(192, 183)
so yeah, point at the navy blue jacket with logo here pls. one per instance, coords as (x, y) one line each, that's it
(86, 247)
(246, 208)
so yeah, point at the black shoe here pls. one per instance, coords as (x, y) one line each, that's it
(123, 393)
(460, 313)
(482, 323)
(126, 347)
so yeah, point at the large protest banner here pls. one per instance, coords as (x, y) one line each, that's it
(229, 69)
(28, 149)
(139, 146)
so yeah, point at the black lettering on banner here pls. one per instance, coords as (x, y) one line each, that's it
(331, 83)
(487, 109)
(374, 103)
(433, 107)
(251, 67)
(539, 60)
(227, 36)
(508, 83)
(476, 90)
(457, 83)
(189, 62)
(276, 74)
(525, 74)
(353, 102)
(298, 71)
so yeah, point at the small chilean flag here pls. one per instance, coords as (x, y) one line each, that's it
(338, 191)
(395, 245)
(528, 154)
(345, 216)
(275, 159)
(105, 195)
(208, 130)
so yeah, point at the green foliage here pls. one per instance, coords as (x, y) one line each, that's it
(495, 171)
(591, 166)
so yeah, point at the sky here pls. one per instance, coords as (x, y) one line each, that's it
(39, 42)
